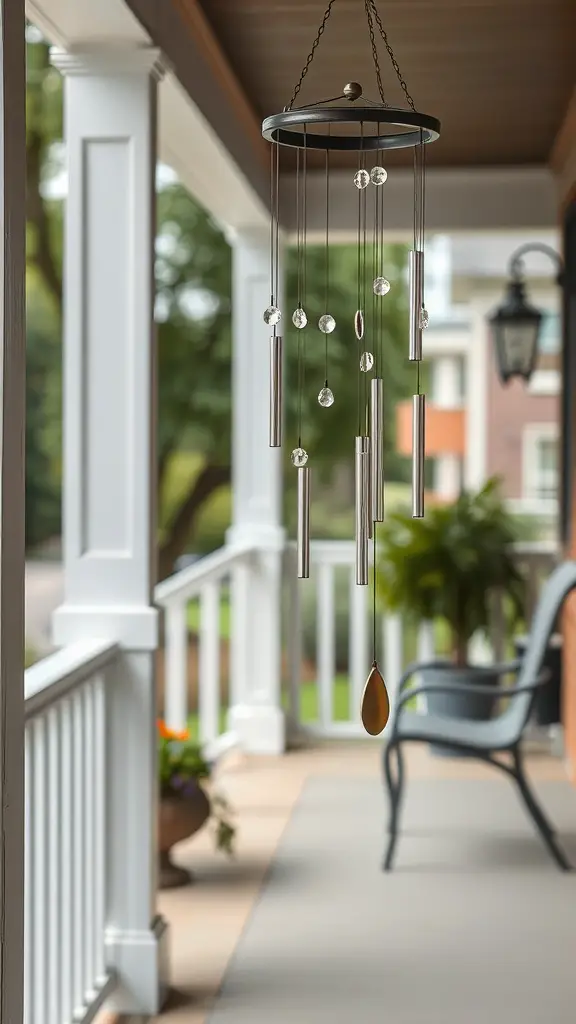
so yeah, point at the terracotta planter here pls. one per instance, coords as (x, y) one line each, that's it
(178, 819)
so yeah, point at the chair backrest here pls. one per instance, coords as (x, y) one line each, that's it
(554, 592)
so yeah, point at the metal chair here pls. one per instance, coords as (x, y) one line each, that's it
(502, 734)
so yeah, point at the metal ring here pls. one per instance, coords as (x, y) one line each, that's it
(280, 128)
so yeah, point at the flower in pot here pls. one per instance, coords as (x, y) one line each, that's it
(449, 566)
(186, 803)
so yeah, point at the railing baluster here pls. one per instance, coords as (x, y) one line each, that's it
(54, 859)
(67, 860)
(294, 641)
(326, 643)
(176, 666)
(79, 852)
(40, 863)
(29, 891)
(358, 659)
(100, 827)
(209, 663)
(393, 655)
(89, 840)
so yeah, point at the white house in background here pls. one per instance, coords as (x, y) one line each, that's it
(477, 427)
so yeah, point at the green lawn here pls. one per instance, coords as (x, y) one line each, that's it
(308, 705)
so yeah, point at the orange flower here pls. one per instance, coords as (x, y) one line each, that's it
(172, 734)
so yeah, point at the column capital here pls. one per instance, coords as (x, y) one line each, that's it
(108, 60)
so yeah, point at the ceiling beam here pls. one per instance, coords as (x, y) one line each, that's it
(180, 29)
(475, 199)
(563, 152)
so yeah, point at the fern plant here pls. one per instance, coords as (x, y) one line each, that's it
(449, 564)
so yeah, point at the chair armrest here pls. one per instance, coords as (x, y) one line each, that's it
(490, 691)
(500, 669)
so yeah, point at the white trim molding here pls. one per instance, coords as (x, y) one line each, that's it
(533, 434)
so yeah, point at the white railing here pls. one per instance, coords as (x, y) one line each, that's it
(341, 681)
(334, 681)
(65, 976)
(204, 581)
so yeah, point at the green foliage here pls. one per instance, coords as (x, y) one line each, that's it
(449, 564)
(182, 766)
(43, 512)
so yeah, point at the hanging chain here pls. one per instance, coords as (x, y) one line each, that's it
(372, 15)
(375, 57)
(395, 65)
(310, 56)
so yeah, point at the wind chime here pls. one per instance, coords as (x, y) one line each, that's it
(369, 129)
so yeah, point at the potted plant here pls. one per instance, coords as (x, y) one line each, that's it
(186, 803)
(448, 566)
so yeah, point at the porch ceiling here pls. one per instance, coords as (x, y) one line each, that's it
(498, 73)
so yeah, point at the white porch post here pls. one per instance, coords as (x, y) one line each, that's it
(255, 714)
(12, 376)
(109, 467)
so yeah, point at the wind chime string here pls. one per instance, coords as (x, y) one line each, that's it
(327, 261)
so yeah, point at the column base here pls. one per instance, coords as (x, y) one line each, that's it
(140, 959)
(261, 729)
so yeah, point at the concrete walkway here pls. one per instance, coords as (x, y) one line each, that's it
(207, 920)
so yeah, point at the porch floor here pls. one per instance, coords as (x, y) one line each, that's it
(208, 920)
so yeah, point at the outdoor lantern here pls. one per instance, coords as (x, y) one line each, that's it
(366, 128)
(516, 327)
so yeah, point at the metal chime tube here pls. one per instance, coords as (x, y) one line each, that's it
(377, 449)
(275, 391)
(415, 269)
(362, 508)
(303, 536)
(418, 452)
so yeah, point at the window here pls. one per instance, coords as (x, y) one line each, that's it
(540, 469)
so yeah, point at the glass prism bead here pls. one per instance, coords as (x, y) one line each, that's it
(326, 398)
(359, 324)
(366, 362)
(272, 316)
(299, 457)
(299, 318)
(361, 179)
(378, 175)
(327, 323)
(381, 286)
(424, 319)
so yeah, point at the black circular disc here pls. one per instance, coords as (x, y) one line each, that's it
(418, 127)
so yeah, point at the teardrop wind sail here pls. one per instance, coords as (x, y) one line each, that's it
(375, 703)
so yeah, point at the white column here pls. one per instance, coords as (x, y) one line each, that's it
(255, 714)
(446, 394)
(110, 467)
(12, 375)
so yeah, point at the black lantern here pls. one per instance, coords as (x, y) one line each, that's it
(515, 327)
(516, 324)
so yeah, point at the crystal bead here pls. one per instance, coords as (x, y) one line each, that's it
(424, 319)
(361, 179)
(326, 398)
(327, 323)
(366, 362)
(272, 316)
(378, 175)
(299, 457)
(299, 318)
(359, 324)
(381, 286)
